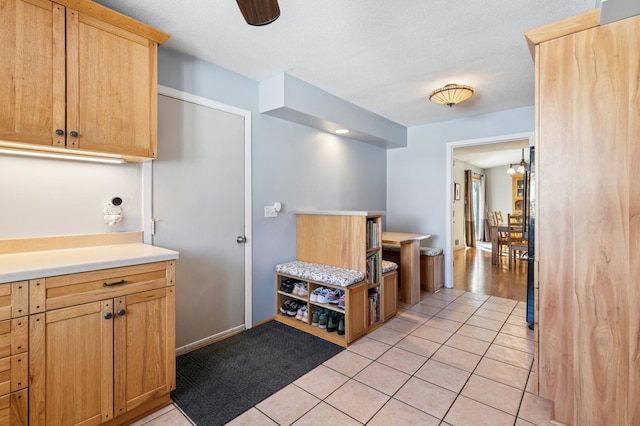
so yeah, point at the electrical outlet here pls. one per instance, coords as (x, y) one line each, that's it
(110, 209)
(270, 211)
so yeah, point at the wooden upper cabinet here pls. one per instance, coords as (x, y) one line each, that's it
(81, 77)
(27, 71)
(111, 88)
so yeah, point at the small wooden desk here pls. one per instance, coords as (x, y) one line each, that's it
(409, 263)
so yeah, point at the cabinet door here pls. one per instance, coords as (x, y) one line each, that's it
(144, 348)
(32, 68)
(71, 365)
(111, 88)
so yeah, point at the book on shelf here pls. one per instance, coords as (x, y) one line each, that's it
(373, 268)
(373, 234)
(374, 306)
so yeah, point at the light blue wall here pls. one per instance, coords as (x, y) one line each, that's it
(416, 175)
(301, 167)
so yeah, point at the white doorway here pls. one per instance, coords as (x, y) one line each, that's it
(449, 237)
(200, 205)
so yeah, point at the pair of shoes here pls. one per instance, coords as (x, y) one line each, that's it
(287, 285)
(300, 288)
(336, 323)
(302, 314)
(335, 296)
(320, 318)
(341, 301)
(290, 308)
(320, 295)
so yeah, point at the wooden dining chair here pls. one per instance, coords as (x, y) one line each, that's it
(497, 215)
(516, 242)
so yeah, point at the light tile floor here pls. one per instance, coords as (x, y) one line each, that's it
(455, 358)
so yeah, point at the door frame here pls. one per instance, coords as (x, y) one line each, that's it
(448, 250)
(147, 185)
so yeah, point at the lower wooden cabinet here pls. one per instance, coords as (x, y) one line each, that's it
(14, 409)
(103, 361)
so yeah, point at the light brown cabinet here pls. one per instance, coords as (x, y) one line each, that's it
(78, 77)
(517, 193)
(107, 338)
(14, 353)
(587, 233)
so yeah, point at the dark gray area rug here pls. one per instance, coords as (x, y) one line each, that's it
(217, 383)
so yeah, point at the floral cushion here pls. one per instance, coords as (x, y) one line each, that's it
(388, 266)
(321, 273)
(430, 251)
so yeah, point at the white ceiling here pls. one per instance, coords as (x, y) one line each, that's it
(486, 156)
(382, 55)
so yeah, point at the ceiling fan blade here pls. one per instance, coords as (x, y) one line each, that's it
(259, 12)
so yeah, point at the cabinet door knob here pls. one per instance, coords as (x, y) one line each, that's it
(59, 132)
(108, 315)
(74, 134)
(121, 312)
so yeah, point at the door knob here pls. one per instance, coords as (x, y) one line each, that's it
(241, 239)
(108, 315)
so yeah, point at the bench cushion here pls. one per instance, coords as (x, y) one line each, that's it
(388, 266)
(321, 273)
(391, 247)
(430, 251)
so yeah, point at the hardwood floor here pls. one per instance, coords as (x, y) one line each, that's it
(473, 271)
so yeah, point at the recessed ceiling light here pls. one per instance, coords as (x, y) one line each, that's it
(342, 131)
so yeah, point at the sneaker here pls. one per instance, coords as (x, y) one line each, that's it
(301, 312)
(333, 322)
(341, 301)
(315, 293)
(341, 325)
(323, 297)
(285, 307)
(300, 289)
(322, 321)
(293, 308)
(286, 286)
(334, 296)
(316, 317)
(305, 316)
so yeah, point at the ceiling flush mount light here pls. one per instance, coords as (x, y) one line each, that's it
(451, 94)
(259, 12)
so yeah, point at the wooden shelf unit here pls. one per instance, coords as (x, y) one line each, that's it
(354, 313)
(350, 240)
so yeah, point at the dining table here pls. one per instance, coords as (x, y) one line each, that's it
(409, 263)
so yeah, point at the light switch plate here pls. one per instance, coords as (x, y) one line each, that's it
(269, 211)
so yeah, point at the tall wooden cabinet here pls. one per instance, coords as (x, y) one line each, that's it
(102, 344)
(517, 193)
(350, 240)
(588, 219)
(77, 76)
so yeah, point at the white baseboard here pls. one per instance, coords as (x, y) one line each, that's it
(208, 340)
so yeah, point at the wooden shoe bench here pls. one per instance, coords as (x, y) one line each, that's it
(341, 250)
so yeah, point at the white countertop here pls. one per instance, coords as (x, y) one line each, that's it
(47, 263)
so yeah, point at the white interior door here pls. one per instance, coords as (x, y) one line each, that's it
(199, 205)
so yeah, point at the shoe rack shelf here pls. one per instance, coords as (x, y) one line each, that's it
(354, 312)
(350, 240)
